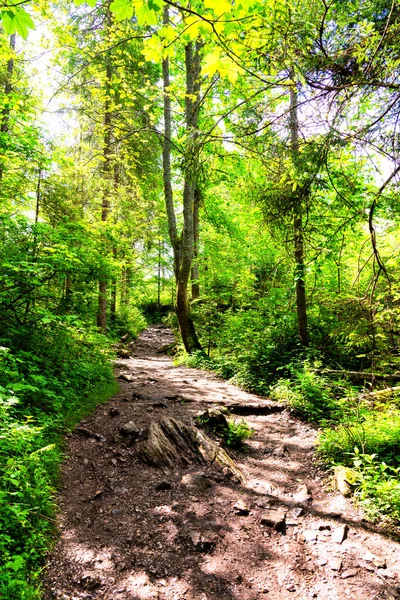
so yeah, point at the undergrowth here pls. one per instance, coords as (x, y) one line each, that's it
(44, 391)
(55, 367)
(354, 432)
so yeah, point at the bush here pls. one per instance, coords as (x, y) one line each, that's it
(314, 397)
(27, 469)
(378, 488)
(45, 389)
(130, 320)
(376, 434)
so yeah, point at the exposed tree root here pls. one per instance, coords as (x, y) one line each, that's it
(170, 441)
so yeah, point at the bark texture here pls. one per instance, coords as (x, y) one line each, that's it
(5, 113)
(298, 226)
(170, 442)
(183, 245)
(105, 205)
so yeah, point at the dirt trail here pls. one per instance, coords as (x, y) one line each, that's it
(133, 532)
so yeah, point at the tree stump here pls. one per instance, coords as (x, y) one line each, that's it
(169, 442)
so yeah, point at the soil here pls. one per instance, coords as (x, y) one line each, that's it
(130, 531)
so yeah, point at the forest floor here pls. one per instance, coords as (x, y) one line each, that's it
(134, 532)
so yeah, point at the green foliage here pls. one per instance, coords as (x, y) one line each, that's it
(376, 433)
(54, 368)
(129, 319)
(27, 468)
(17, 20)
(237, 433)
(313, 397)
(378, 488)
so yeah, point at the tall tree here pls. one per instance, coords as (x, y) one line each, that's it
(298, 236)
(183, 244)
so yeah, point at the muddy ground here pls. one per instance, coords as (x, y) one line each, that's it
(134, 532)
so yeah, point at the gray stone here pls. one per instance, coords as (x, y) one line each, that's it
(335, 564)
(349, 573)
(339, 534)
(297, 511)
(344, 479)
(130, 429)
(197, 480)
(274, 518)
(241, 508)
(302, 495)
(310, 535)
(125, 377)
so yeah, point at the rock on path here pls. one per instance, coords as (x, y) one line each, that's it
(132, 532)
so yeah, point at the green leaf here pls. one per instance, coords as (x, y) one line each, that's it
(145, 16)
(17, 563)
(155, 5)
(122, 9)
(18, 21)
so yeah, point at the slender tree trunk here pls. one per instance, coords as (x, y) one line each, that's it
(38, 191)
(105, 206)
(159, 276)
(189, 337)
(298, 227)
(68, 291)
(5, 113)
(123, 293)
(196, 240)
(182, 245)
(113, 303)
(169, 200)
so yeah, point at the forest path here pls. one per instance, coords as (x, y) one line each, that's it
(134, 532)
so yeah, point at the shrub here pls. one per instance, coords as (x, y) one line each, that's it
(314, 397)
(44, 390)
(378, 487)
(130, 320)
(376, 434)
(237, 433)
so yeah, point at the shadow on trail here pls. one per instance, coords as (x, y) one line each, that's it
(134, 532)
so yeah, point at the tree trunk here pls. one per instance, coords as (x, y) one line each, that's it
(159, 275)
(182, 245)
(196, 240)
(298, 227)
(169, 200)
(113, 304)
(5, 113)
(105, 207)
(68, 291)
(188, 332)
